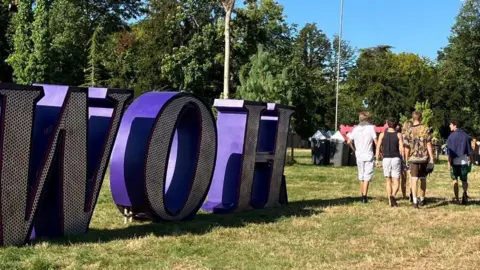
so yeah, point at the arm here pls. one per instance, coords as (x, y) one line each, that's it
(374, 137)
(430, 152)
(470, 151)
(350, 140)
(379, 145)
(449, 164)
(400, 144)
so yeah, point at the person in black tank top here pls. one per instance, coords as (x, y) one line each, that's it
(391, 142)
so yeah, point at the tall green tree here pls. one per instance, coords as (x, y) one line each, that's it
(50, 40)
(5, 23)
(388, 84)
(22, 48)
(39, 64)
(459, 66)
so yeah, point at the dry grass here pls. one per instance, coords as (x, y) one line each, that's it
(324, 227)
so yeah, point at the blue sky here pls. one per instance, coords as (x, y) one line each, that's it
(418, 26)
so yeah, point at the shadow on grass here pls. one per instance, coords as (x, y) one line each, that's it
(204, 223)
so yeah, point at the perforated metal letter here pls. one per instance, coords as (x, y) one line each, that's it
(164, 156)
(251, 158)
(76, 156)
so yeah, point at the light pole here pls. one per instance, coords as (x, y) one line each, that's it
(338, 64)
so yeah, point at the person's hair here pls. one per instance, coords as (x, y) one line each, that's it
(364, 117)
(392, 122)
(398, 128)
(455, 122)
(408, 124)
(417, 116)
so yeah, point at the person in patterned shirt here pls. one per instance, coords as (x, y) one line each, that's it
(419, 151)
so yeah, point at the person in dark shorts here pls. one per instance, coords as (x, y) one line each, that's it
(460, 152)
(405, 173)
(419, 151)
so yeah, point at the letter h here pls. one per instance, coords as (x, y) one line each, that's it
(252, 141)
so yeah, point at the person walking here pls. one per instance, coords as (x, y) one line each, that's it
(361, 140)
(392, 142)
(405, 172)
(419, 152)
(459, 158)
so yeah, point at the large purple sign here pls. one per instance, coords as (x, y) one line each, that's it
(169, 157)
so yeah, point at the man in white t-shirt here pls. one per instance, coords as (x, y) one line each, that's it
(361, 140)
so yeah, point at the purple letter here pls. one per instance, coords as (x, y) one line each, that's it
(251, 157)
(164, 155)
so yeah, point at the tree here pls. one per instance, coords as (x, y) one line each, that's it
(5, 20)
(390, 84)
(228, 5)
(459, 68)
(265, 80)
(22, 48)
(50, 46)
(39, 64)
(93, 73)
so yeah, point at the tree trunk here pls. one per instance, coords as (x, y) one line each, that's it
(226, 74)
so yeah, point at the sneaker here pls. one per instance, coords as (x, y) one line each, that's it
(393, 201)
(422, 202)
(464, 199)
(364, 199)
(415, 205)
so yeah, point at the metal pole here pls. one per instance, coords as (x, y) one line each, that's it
(338, 64)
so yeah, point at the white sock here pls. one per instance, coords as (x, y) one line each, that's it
(422, 198)
(414, 200)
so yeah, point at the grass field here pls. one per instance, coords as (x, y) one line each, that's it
(324, 227)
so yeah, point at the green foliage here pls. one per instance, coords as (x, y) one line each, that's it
(39, 64)
(427, 113)
(93, 72)
(22, 49)
(178, 45)
(5, 22)
(265, 81)
(50, 39)
(389, 83)
(459, 67)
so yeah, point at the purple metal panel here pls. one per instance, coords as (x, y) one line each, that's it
(146, 106)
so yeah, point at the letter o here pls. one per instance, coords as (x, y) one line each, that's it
(164, 165)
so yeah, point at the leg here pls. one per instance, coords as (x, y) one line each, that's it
(367, 175)
(404, 184)
(361, 177)
(423, 182)
(413, 183)
(388, 180)
(465, 186)
(464, 178)
(388, 184)
(395, 186)
(423, 187)
(413, 187)
(365, 187)
(455, 189)
(396, 173)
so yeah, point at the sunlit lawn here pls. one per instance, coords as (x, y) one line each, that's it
(324, 227)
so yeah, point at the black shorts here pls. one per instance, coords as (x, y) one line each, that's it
(418, 170)
(459, 171)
